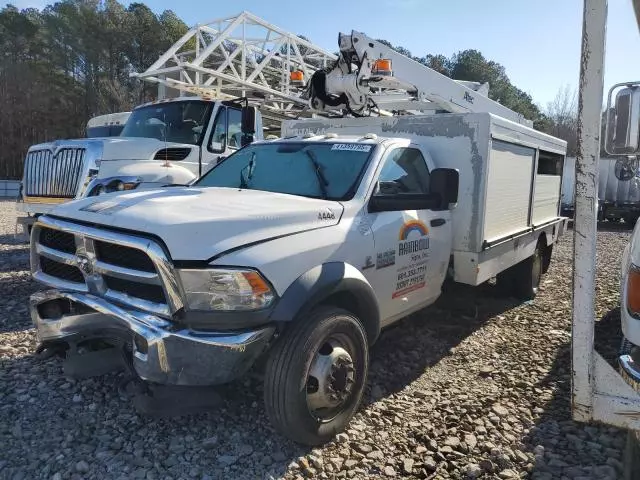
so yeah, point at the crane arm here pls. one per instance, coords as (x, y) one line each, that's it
(370, 76)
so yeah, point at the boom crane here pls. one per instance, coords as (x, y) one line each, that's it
(370, 78)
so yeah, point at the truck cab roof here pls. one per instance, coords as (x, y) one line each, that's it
(367, 139)
(177, 99)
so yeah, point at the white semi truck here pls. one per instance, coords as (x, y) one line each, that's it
(164, 142)
(296, 252)
(618, 189)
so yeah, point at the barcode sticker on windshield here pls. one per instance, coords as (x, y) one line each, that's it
(352, 147)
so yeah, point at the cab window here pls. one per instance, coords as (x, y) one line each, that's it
(234, 129)
(404, 172)
(218, 138)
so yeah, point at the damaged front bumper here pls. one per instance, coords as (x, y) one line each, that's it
(163, 352)
(629, 364)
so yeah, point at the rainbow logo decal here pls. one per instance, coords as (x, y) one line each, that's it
(413, 226)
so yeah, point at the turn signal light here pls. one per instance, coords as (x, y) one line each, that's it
(382, 66)
(256, 282)
(297, 77)
(633, 290)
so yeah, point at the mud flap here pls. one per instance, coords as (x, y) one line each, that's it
(166, 401)
(93, 363)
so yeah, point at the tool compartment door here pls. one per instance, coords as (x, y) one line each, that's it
(508, 190)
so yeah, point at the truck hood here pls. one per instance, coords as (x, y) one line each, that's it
(118, 148)
(136, 148)
(199, 223)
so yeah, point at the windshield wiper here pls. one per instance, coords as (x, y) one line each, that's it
(322, 180)
(251, 166)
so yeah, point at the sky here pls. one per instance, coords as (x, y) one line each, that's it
(538, 42)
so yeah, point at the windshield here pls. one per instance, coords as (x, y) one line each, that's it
(318, 170)
(180, 122)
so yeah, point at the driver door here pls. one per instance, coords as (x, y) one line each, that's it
(225, 137)
(412, 246)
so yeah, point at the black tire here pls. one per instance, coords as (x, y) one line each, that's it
(527, 276)
(287, 380)
(547, 252)
(504, 282)
(523, 279)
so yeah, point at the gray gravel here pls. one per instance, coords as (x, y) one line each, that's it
(474, 387)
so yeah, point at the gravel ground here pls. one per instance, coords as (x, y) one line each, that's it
(472, 387)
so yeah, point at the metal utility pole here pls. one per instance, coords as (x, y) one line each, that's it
(594, 29)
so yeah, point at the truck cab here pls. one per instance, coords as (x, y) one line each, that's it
(163, 142)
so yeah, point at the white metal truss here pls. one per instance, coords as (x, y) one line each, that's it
(241, 56)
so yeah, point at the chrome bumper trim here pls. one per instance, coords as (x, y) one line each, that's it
(630, 371)
(173, 357)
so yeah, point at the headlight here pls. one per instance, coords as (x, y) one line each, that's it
(109, 185)
(223, 289)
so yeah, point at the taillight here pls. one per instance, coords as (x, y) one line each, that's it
(633, 290)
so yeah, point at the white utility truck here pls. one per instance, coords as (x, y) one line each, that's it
(296, 252)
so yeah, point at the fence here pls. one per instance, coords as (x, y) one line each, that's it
(9, 188)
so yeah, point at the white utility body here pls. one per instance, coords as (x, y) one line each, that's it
(510, 181)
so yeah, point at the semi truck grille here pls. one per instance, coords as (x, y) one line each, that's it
(133, 273)
(54, 176)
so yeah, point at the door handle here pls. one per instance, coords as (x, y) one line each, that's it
(436, 222)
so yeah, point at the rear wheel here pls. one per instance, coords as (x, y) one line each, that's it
(546, 258)
(523, 279)
(315, 376)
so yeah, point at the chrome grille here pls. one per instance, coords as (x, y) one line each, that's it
(56, 176)
(148, 283)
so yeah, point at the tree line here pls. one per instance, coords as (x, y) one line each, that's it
(72, 60)
(61, 65)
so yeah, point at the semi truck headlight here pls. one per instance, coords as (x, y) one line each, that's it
(225, 289)
(100, 187)
(633, 290)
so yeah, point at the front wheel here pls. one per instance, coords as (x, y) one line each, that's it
(315, 376)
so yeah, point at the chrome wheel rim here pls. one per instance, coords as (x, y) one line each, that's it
(331, 379)
(536, 272)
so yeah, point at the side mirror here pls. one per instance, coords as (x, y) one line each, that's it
(248, 122)
(622, 128)
(248, 125)
(444, 182)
